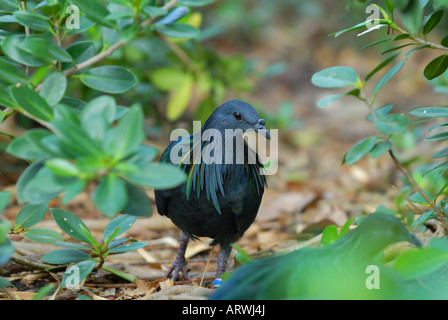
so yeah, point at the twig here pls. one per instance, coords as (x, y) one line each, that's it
(417, 39)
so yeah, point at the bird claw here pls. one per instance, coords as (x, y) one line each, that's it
(176, 267)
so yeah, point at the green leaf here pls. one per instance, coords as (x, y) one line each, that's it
(436, 67)
(120, 274)
(438, 137)
(441, 153)
(110, 79)
(380, 112)
(32, 102)
(418, 198)
(157, 176)
(392, 123)
(64, 256)
(34, 192)
(346, 227)
(360, 25)
(196, 3)
(386, 77)
(428, 215)
(241, 256)
(72, 245)
(80, 52)
(62, 167)
(124, 222)
(70, 224)
(30, 145)
(381, 66)
(94, 11)
(53, 88)
(74, 278)
(26, 176)
(335, 77)
(12, 47)
(4, 199)
(380, 148)
(45, 49)
(104, 105)
(412, 17)
(327, 100)
(155, 12)
(75, 138)
(11, 74)
(444, 42)
(430, 112)
(139, 203)
(167, 79)
(359, 150)
(432, 22)
(31, 215)
(128, 247)
(43, 291)
(32, 20)
(127, 135)
(110, 195)
(329, 235)
(43, 235)
(174, 15)
(179, 99)
(418, 263)
(178, 30)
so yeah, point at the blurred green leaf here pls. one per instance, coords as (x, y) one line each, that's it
(62, 167)
(412, 16)
(32, 20)
(175, 14)
(196, 3)
(94, 11)
(110, 79)
(139, 203)
(167, 79)
(11, 74)
(4, 199)
(392, 123)
(380, 148)
(128, 247)
(157, 176)
(53, 88)
(45, 49)
(430, 112)
(386, 77)
(127, 135)
(110, 195)
(428, 215)
(178, 30)
(335, 77)
(329, 235)
(417, 263)
(359, 150)
(179, 99)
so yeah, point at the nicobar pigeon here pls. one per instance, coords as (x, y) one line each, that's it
(220, 199)
(337, 271)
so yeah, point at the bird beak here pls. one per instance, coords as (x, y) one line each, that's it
(260, 128)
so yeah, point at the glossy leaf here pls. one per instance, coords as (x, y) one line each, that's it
(45, 49)
(128, 247)
(110, 79)
(70, 224)
(30, 215)
(380, 148)
(64, 256)
(32, 102)
(178, 30)
(32, 20)
(11, 74)
(392, 123)
(432, 22)
(436, 67)
(430, 112)
(124, 222)
(95, 11)
(43, 235)
(84, 268)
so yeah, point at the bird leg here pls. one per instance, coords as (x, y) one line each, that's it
(180, 263)
(223, 256)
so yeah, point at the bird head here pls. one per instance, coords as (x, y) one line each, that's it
(237, 114)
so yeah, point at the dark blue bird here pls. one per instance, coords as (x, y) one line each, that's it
(225, 184)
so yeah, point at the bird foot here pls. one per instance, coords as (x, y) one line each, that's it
(178, 266)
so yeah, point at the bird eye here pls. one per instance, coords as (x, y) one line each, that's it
(237, 115)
